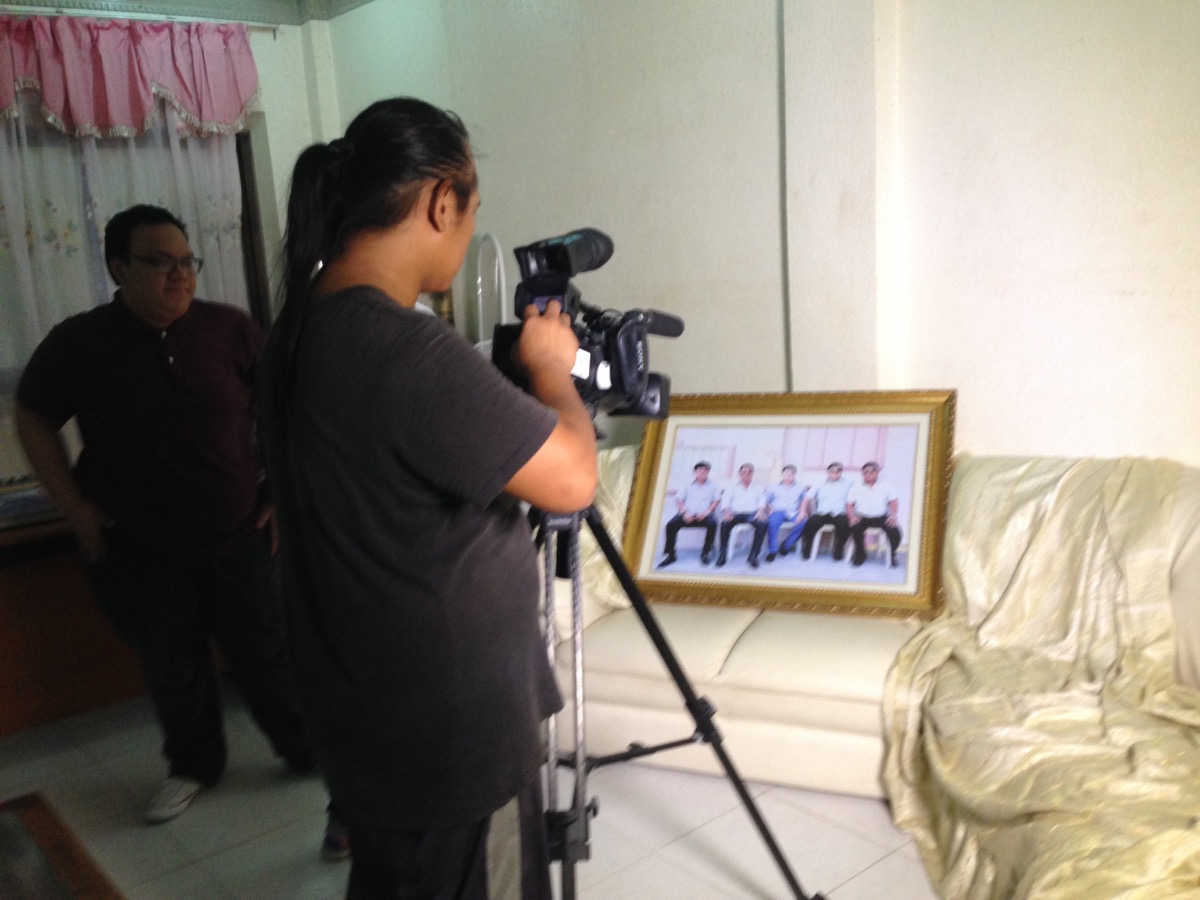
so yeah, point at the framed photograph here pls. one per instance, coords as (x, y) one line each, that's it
(828, 501)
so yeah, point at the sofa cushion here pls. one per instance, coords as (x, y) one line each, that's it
(815, 654)
(781, 667)
(701, 637)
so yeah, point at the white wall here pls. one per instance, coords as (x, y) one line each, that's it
(829, 121)
(998, 196)
(299, 106)
(655, 122)
(1052, 202)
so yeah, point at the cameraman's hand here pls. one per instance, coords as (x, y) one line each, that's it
(547, 343)
(561, 476)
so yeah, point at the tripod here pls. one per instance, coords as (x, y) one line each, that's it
(568, 827)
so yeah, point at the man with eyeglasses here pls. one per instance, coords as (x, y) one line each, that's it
(165, 498)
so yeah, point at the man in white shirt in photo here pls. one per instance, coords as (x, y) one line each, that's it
(872, 504)
(826, 505)
(697, 504)
(744, 502)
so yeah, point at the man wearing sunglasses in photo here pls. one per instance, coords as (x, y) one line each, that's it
(165, 498)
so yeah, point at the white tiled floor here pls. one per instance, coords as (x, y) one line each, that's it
(660, 834)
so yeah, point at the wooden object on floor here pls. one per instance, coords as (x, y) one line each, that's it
(58, 657)
(41, 858)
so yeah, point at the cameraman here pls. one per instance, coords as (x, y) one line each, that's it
(397, 457)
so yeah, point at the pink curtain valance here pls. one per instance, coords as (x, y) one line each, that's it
(100, 76)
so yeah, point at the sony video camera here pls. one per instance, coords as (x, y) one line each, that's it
(612, 369)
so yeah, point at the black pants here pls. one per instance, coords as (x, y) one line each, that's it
(168, 611)
(447, 864)
(858, 530)
(841, 531)
(708, 523)
(760, 531)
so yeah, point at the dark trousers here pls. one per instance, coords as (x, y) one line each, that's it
(708, 523)
(858, 530)
(760, 531)
(841, 531)
(168, 611)
(447, 864)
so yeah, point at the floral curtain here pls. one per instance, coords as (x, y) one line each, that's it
(98, 116)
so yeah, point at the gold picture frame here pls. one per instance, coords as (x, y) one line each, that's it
(907, 434)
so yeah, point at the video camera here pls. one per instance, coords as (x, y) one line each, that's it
(612, 369)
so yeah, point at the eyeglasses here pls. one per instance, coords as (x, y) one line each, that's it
(165, 265)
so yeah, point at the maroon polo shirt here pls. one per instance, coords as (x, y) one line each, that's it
(167, 420)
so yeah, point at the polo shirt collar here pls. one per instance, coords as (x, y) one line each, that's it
(179, 326)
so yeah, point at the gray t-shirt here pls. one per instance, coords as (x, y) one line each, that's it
(411, 585)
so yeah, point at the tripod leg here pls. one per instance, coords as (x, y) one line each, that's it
(700, 709)
(568, 828)
(550, 630)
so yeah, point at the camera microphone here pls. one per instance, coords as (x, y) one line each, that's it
(662, 324)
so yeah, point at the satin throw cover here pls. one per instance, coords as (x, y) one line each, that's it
(1039, 744)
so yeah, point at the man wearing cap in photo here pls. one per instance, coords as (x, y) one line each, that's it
(872, 504)
(826, 505)
(697, 503)
(744, 503)
(785, 504)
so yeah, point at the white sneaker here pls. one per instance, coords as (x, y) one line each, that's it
(175, 795)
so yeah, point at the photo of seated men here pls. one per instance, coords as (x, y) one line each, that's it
(873, 504)
(743, 503)
(785, 505)
(697, 506)
(776, 505)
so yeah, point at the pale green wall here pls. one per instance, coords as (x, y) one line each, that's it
(655, 122)
(830, 126)
(295, 72)
(998, 196)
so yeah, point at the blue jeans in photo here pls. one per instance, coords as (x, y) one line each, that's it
(775, 522)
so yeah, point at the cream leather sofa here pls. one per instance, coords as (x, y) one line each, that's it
(799, 696)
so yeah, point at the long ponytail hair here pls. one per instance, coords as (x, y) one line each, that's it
(368, 180)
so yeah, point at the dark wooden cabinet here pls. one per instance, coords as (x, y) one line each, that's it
(58, 657)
